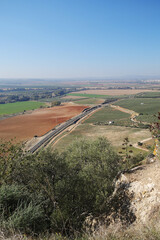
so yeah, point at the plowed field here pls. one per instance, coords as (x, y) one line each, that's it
(38, 122)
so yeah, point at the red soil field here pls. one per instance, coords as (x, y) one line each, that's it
(40, 121)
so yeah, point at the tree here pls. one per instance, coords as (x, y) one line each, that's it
(55, 103)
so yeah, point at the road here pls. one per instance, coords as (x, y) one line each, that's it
(62, 127)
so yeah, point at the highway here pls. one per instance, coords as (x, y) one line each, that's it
(62, 127)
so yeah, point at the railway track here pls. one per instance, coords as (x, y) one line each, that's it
(62, 127)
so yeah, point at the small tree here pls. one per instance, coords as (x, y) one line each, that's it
(55, 103)
(155, 128)
(126, 151)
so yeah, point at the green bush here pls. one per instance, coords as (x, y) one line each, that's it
(11, 197)
(29, 219)
(21, 210)
(60, 190)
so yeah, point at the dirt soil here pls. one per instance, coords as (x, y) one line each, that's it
(115, 92)
(40, 121)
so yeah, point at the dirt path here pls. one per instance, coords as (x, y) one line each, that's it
(141, 148)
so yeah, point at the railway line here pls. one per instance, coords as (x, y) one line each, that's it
(54, 132)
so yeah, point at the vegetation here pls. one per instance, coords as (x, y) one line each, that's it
(16, 94)
(55, 103)
(145, 106)
(55, 192)
(115, 134)
(146, 118)
(88, 95)
(107, 114)
(11, 108)
(155, 127)
(96, 95)
(148, 95)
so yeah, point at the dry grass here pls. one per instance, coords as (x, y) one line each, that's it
(115, 232)
(115, 134)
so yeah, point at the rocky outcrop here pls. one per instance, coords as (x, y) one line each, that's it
(136, 199)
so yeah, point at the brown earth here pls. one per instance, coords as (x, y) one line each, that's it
(40, 121)
(116, 92)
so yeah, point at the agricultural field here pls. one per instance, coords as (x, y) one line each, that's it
(11, 108)
(113, 92)
(70, 97)
(148, 95)
(107, 114)
(147, 118)
(88, 95)
(89, 101)
(147, 107)
(39, 122)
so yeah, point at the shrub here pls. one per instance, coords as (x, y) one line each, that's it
(20, 210)
(60, 190)
(55, 103)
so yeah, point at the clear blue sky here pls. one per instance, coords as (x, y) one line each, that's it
(79, 38)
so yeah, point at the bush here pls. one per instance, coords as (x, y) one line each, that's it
(55, 103)
(60, 190)
(28, 219)
(20, 210)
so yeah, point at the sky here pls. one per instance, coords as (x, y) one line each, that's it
(79, 38)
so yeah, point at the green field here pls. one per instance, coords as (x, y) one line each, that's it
(11, 108)
(146, 106)
(148, 95)
(89, 95)
(97, 96)
(107, 114)
(147, 118)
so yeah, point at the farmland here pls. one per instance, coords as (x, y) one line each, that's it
(145, 105)
(11, 108)
(89, 101)
(87, 95)
(149, 95)
(107, 114)
(40, 121)
(113, 92)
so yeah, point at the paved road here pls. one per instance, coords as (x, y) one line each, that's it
(62, 127)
